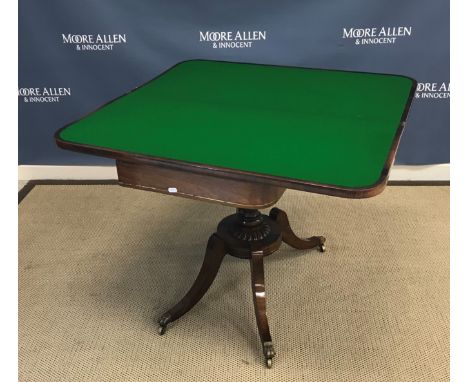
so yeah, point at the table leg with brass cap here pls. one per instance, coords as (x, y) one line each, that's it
(214, 255)
(290, 238)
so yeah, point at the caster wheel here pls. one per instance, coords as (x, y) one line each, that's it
(322, 248)
(268, 353)
(163, 321)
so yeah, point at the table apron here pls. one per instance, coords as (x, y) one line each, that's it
(232, 192)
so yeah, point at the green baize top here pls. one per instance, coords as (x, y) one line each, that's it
(323, 126)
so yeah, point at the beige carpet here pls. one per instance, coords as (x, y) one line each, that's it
(96, 263)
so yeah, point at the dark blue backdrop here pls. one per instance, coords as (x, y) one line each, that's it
(401, 37)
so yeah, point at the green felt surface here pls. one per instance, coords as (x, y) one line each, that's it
(323, 126)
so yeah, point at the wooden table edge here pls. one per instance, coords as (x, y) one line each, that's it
(297, 184)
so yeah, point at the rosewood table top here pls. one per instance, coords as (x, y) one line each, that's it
(327, 131)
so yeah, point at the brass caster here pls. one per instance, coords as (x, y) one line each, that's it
(163, 321)
(322, 247)
(269, 353)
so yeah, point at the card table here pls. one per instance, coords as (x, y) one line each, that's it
(241, 134)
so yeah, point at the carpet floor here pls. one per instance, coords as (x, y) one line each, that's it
(98, 262)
